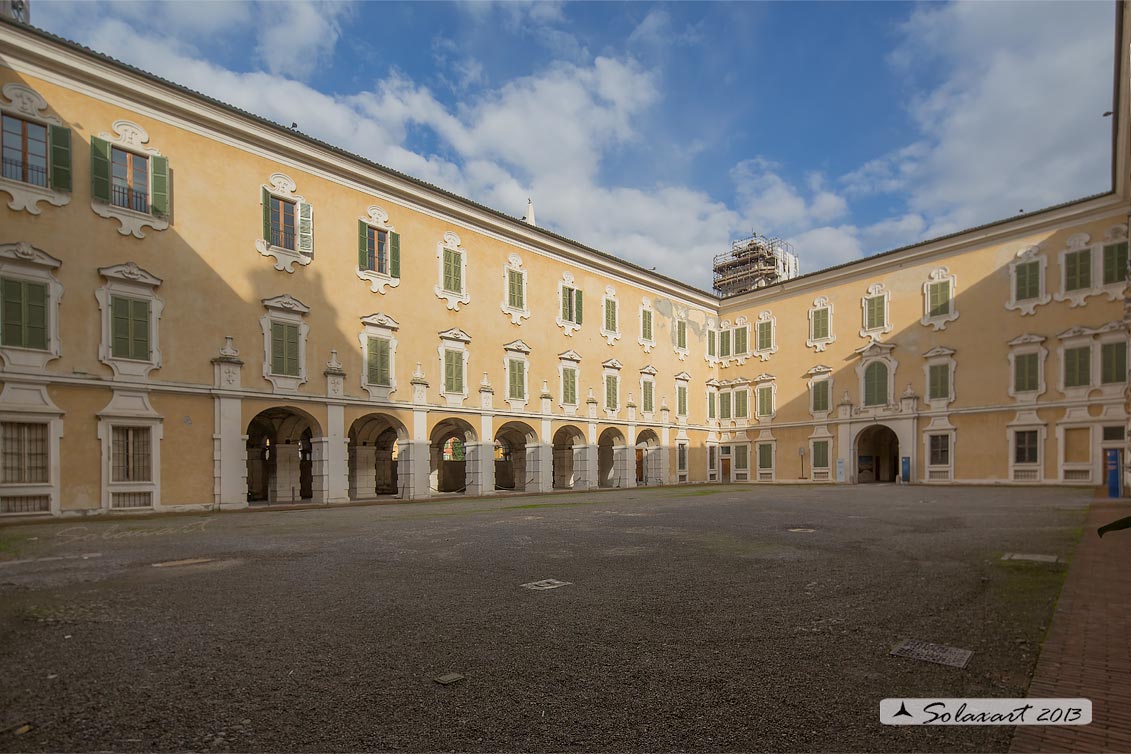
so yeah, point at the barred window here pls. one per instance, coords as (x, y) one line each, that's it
(130, 455)
(24, 453)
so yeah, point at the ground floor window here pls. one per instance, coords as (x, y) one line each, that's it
(681, 460)
(940, 450)
(24, 451)
(1025, 446)
(765, 461)
(741, 462)
(130, 455)
(821, 454)
(712, 463)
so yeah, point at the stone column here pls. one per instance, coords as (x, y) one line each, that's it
(363, 480)
(544, 474)
(229, 443)
(414, 475)
(286, 485)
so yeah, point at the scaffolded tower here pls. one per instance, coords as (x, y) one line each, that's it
(753, 263)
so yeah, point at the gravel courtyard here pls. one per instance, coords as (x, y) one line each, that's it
(696, 619)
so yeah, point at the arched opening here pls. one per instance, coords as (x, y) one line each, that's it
(516, 457)
(649, 459)
(569, 458)
(378, 461)
(281, 456)
(611, 454)
(453, 456)
(877, 455)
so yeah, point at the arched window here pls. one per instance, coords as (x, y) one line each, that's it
(453, 449)
(876, 384)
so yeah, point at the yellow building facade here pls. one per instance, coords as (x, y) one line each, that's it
(202, 309)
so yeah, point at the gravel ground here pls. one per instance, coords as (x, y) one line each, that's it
(695, 620)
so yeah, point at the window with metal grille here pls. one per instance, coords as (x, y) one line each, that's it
(25, 151)
(1025, 446)
(129, 180)
(940, 450)
(24, 452)
(130, 455)
(1114, 433)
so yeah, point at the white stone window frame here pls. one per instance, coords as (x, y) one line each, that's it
(378, 325)
(647, 343)
(765, 353)
(681, 317)
(289, 310)
(870, 354)
(683, 380)
(130, 408)
(610, 367)
(569, 360)
(1026, 421)
(1080, 242)
(568, 327)
(1077, 337)
(819, 373)
(452, 299)
(1025, 256)
(939, 355)
(25, 103)
(1112, 332)
(711, 328)
(1025, 344)
(454, 339)
(940, 275)
(130, 137)
(741, 385)
(820, 344)
(824, 471)
(517, 351)
(762, 381)
(610, 296)
(22, 261)
(514, 264)
(944, 473)
(761, 475)
(875, 290)
(281, 186)
(648, 374)
(740, 358)
(378, 219)
(1114, 235)
(30, 403)
(130, 281)
(712, 393)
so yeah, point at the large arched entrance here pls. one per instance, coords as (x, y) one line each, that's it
(877, 455)
(378, 461)
(611, 455)
(280, 456)
(569, 458)
(453, 454)
(649, 459)
(516, 457)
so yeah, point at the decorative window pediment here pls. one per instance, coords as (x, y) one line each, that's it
(819, 370)
(131, 312)
(288, 224)
(129, 180)
(647, 337)
(610, 315)
(820, 324)
(29, 288)
(569, 356)
(378, 251)
(38, 168)
(1027, 339)
(455, 334)
(451, 263)
(649, 370)
(517, 346)
(939, 304)
(875, 349)
(1078, 270)
(876, 310)
(765, 335)
(612, 364)
(515, 303)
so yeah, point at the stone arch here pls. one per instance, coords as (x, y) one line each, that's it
(379, 462)
(612, 459)
(285, 457)
(453, 457)
(649, 459)
(517, 456)
(877, 454)
(569, 454)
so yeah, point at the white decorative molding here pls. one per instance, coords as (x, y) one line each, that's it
(379, 325)
(820, 374)
(1025, 256)
(30, 403)
(1023, 344)
(517, 351)
(22, 261)
(378, 219)
(452, 298)
(940, 275)
(876, 352)
(281, 185)
(514, 264)
(1114, 235)
(762, 382)
(454, 339)
(569, 360)
(874, 290)
(130, 281)
(610, 296)
(27, 104)
(131, 137)
(1078, 243)
(611, 368)
(939, 355)
(765, 353)
(567, 326)
(647, 343)
(820, 344)
(290, 310)
(130, 408)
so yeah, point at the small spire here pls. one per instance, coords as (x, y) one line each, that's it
(529, 212)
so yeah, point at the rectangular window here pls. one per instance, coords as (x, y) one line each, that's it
(453, 271)
(711, 348)
(741, 457)
(681, 334)
(710, 405)
(819, 324)
(938, 387)
(875, 316)
(25, 151)
(1025, 372)
(23, 314)
(1113, 362)
(571, 305)
(681, 400)
(741, 410)
(515, 295)
(1078, 367)
(1078, 270)
(284, 349)
(821, 454)
(1115, 263)
(516, 380)
(611, 392)
(130, 455)
(648, 388)
(1025, 446)
(646, 324)
(377, 371)
(820, 396)
(940, 450)
(282, 223)
(681, 456)
(740, 341)
(765, 456)
(24, 453)
(569, 386)
(376, 250)
(712, 458)
(453, 371)
(724, 344)
(1027, 281)
(765, 401)
(724, 405)
(876, 384)
(765, 336)
(129, 180)
(1113, 433)
(938, 299)
(129, 328)
(610, 315)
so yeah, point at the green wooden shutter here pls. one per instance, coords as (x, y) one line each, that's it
(765, 336)
(453, 371)
(741, 407)
(938, 295)
(514, 289)
(139, 329)
(765, 401)
(371, 361)
(1027, 281)
(681, 334)
(305, 228)
(610, 391)
(278, 348)
(569, 386)
(610, 315)
(874, 318)
(378, 367)
(1078, 270)
(1025, 372)
(765, 456)
(395, 255)
(724, 344)
(821, 454)
(646, 324)
(60, 158)
(159, 186)
(681, 400)
(577, 306)
(820, 328)
(1113, 363)
(1115, 263)
(741, 335)
(100, 168)
(821, 396)
(1077, 367)
(12, 325)
(362, 245)
(648, 401)
(292, 350)
(711, 349)
(724, 405)
(939, 382)
(564, 295)
(710, 405)
(517, 373)
(120, 327)
(876, 384)
(265, 198)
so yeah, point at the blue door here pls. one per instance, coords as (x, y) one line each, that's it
(1112, 466)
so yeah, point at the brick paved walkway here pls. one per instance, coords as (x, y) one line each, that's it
(1088, 649)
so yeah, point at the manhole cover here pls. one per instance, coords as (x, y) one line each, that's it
(545, 584)
(448, 679)
(1029, 556)
(937, 653)
(806, 531)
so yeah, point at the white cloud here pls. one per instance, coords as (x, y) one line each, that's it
(298, 36)
(771, 203)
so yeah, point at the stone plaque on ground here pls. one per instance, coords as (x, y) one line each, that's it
(937, 653)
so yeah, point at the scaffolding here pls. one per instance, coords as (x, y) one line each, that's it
(752, 263)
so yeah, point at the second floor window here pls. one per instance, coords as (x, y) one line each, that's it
(1025, 446)
(516, 296)
(819, 324)
(1078, 367)
(821, 395)
(646, 324)
(129, 328)
(23, 314)
(130, 455)
(681, 334)
(1025, 372)
(875, 316)
(610, 315)
(453, 271)
(377, 370)
(571, 305)
(282, 223)
(284, 349)
(938, 299)
(25, 151)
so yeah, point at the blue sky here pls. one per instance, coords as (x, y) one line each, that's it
(660, 132)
